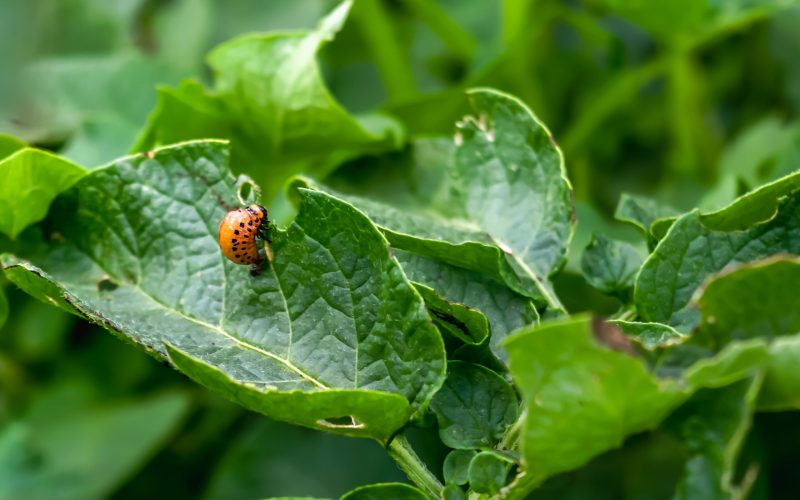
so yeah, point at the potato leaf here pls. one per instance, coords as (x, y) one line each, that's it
(332, 329)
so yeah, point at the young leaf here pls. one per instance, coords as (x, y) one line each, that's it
(29, 180)
(456, 466)
(511, 211)
(468, 325)
(582, 398)
(474, 407)
(505, 310)
(641, 212)
(693, 250)
(384, 491)
(330, 329)
(271, 101)
(453, 492)
(609, 265)
(488, 472)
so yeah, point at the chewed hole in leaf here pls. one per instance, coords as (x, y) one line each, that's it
(106, 284)
(347, 422)
(246, 190)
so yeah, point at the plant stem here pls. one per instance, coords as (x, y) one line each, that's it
(614, 95)
(456, 38)
(387, 53)
(403, 454)
(511, 437)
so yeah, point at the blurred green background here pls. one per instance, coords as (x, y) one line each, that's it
(691, 102)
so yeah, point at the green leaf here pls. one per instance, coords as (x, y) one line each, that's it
(714, 424)
(9, 145)
(746, 158)
(488, 472)
(87, 451)
(462, 322)
(29, 181)
(751, 301)
(385, 491)
(781, 389)
(271, 101)
(582, 398)
(453, 492)
(754, 207)
(331, 329)
(736, 361)
(590, 221)
(474, 407)
(650, 335)
(682, 21)
(254, 465)
(99, 116)
(610, 265)
(663, 18)
(456, 466)
(511, 214)
(641, 212)
(694, 249)
(505, 310)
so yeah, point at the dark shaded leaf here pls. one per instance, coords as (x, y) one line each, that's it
(474, 406)
(456, 466)
(609, 265)
(488, 472)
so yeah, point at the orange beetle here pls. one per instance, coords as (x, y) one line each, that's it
(238, 232)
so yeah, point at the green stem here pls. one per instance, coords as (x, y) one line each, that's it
(613, 96)
(387, 53)
(683, 159)
(456, 38)
(625, 314)
(403, 454)
(511, 437)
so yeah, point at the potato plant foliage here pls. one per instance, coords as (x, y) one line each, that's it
(416, 280)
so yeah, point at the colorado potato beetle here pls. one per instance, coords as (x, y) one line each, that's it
(238, 235)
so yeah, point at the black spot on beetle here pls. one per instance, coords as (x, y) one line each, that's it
(235, 231)
(241, 224)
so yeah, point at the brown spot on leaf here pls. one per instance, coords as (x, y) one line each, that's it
(611, 336)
